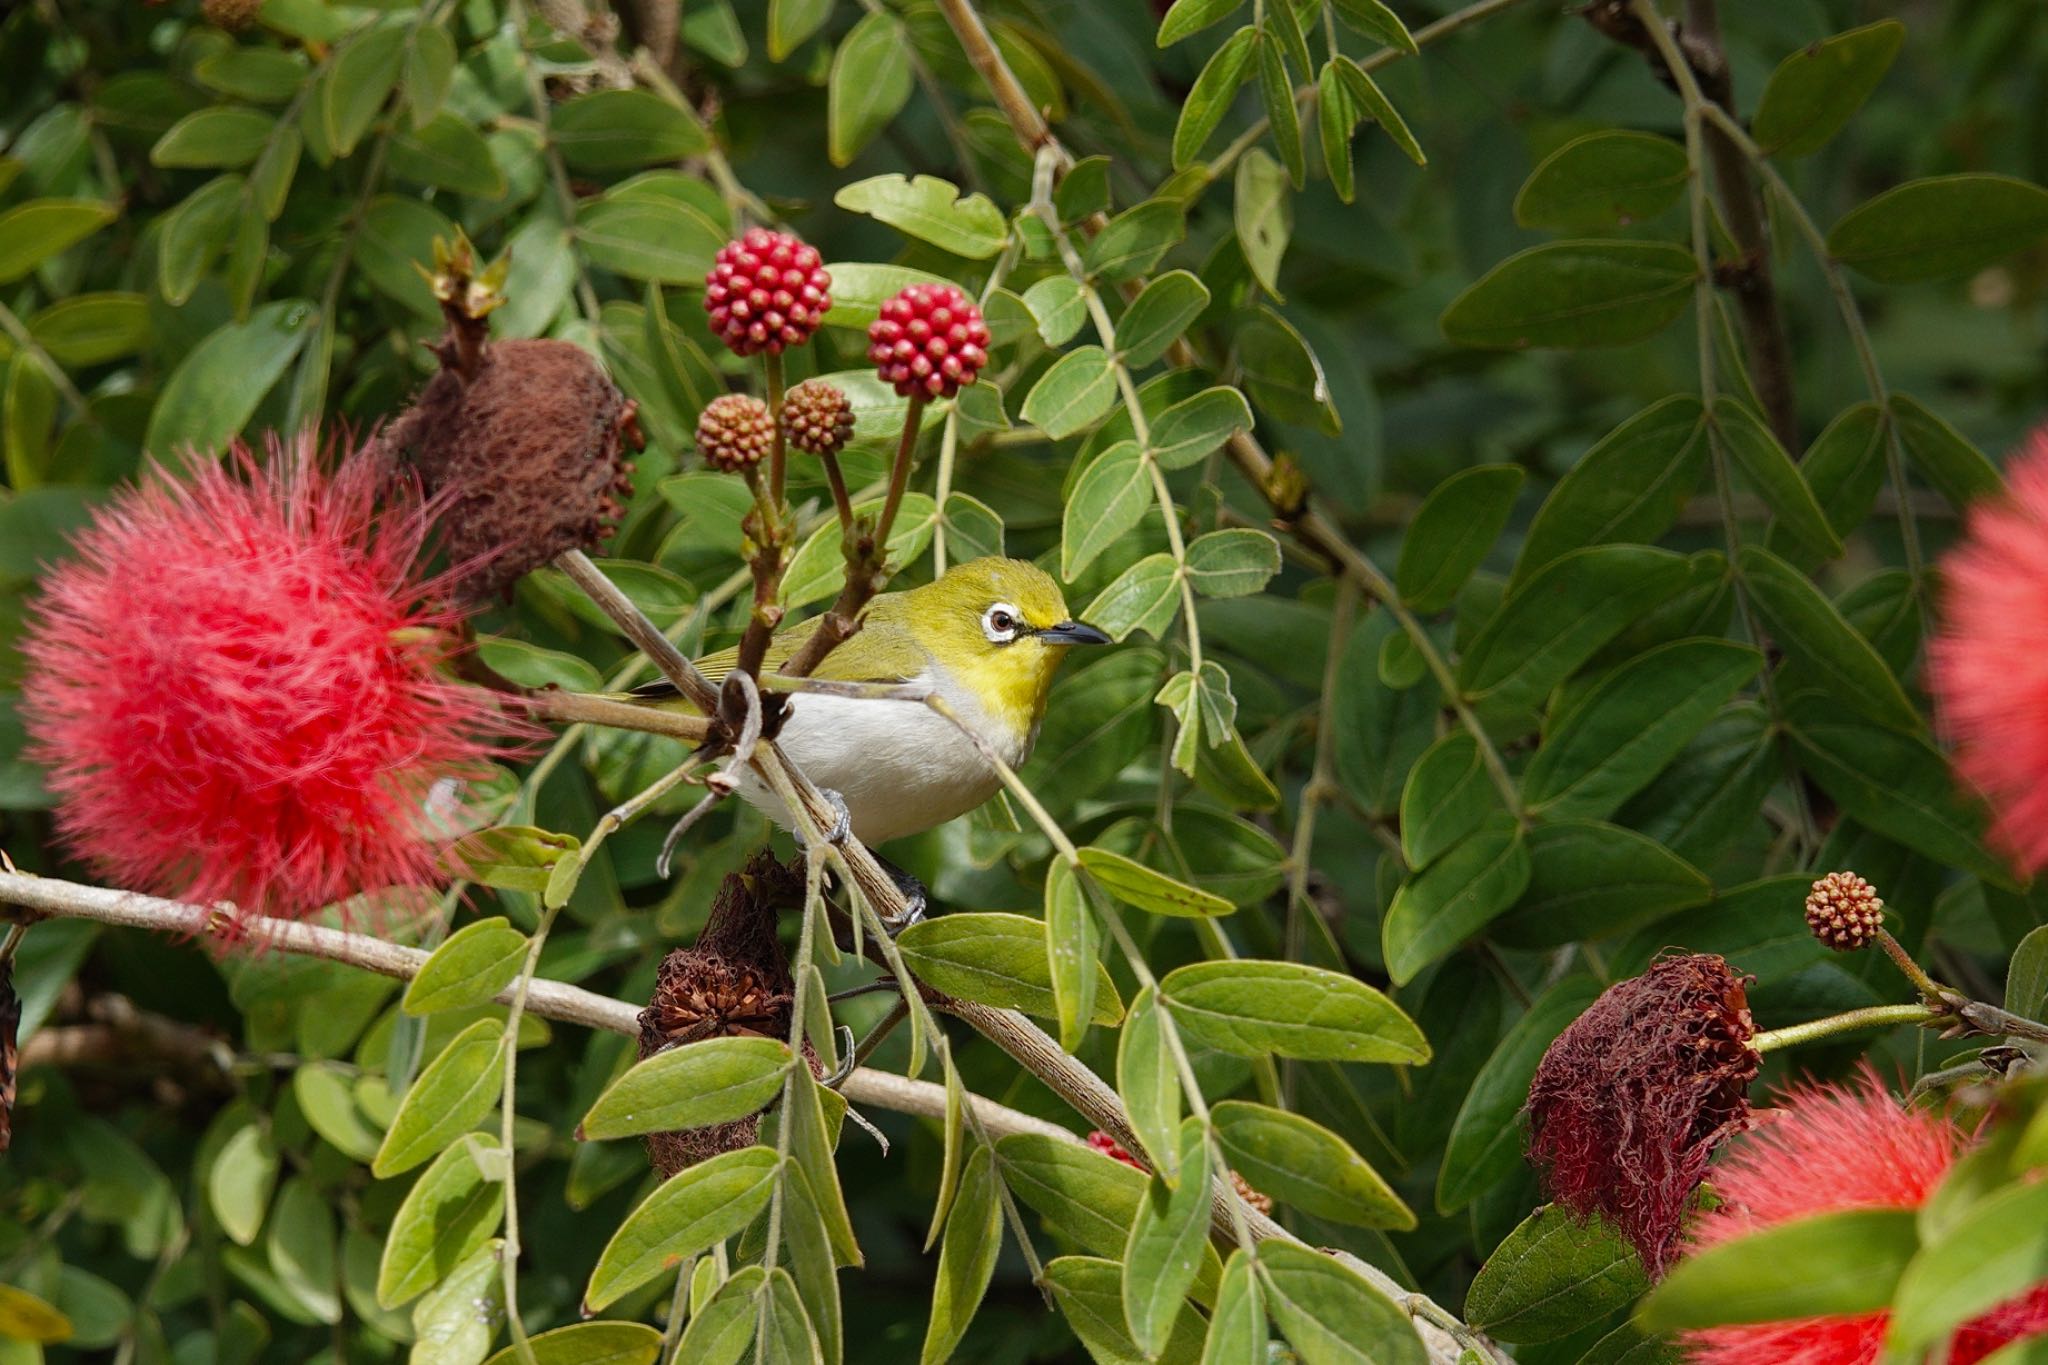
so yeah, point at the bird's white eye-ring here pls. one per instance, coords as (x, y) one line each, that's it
(1001, 623)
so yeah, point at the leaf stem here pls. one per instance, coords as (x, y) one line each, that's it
(1850, 1021)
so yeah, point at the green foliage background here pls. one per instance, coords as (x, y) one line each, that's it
(205, 234)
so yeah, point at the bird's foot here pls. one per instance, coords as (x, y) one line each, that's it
(916, 899)
(842, 820)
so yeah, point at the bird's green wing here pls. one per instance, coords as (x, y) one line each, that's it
(877, 653)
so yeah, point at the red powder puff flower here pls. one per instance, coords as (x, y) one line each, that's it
(1633, 1097)
(1986, 667)
(1822, 1150)
(233, 686)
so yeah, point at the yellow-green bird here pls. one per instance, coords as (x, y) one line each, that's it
(987, 636)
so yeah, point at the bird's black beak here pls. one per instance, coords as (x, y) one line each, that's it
(1073, 633)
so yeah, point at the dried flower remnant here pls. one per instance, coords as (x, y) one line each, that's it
(1823, 1149)
(1986, 668)
(1844, 911)
(234, 686)
(734, 981)
(1634, 1096)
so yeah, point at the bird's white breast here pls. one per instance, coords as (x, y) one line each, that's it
(900, 766)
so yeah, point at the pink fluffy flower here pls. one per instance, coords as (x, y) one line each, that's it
(1822, 1150)
(233, 684)
(1986, 668)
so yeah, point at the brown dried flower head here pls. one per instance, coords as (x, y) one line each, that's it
(232, 15)
(528, 454)
(817, 418)
(734, 432)
(1844, 911)
(1635, 1095)
(733, 981)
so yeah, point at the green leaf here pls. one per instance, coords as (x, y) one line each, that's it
(1186, 432)
(1590, 880)
(973, 528)
(454, 1094)
(429, 70)
(470, 968)
(449, 1212)
(714, 1080)
(262, 75)
(1149, 1083)
(1816, 90)
(1264, 216)
(1072, 952)
(448, 154)
(1188, 17)
(1145, 597)
(239, 1184)
(354, 84)
(1447, 795)
(91, 329)
(1452, 532)
(1074, 394)
(649, 238)
(223, 137)
(1131, 243)
(1637, 720)
(1059, 303)
(2026, 977)
(869, 83)
(1630, 486)
(1626, 1345)
(1276, 92)
(1485, 1146)
(329, 1104)
(1088, 1291)
(1111, 496)
(1948, 461)
(1336, 118)
(591, 1343)
(1555, 620)
(1941, 226)
(1765, 464)
(1232, 563)
(511, 858)
(860, 288)
(1299, 1162)
(301, 1249)
(688, 1213)
(1087, 1198)
(1991, 1253)
(931, 210)
(1167, 1242)
(1455, 897)
(1158, 316)
(1367, 98)
(967, 1257)
(1832, 1263)
(1377, 22)
(1551, 1276)
(813, 1266)
(455, 1323)
(1575, 294)
(1330, 1314)
(1211, 96)
(1284, 376)
(1610, 179)
(1251, 1008)
(1813, 635)
(530, 666)
(31, 233)
(27, 409)
(29, 1318)
(1237, 1329)
(818, 569)
(995, 959)
(720, 1331)
(270, 179)
(616, 130)
(1137, 885)
(216, 388)
(1898, 785)
(791, 22)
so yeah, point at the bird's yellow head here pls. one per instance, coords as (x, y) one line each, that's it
(1001, 628)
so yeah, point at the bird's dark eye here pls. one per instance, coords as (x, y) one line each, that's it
(1001, 620)
(1000, 623)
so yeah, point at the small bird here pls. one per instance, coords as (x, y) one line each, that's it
(987, 636)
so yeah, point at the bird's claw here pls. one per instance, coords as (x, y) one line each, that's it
(916, 901)
(842, 820)
(847, 1061)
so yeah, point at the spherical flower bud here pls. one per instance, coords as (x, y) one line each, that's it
(1844, 911)
(766, 291)
(817, 418)
(1637, 1092)
(1986, 668)
(527, 457)
(734, 432)
(929, 341)
(235, 687)
(1827, 1149)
